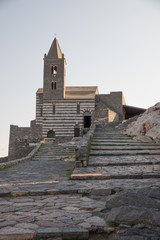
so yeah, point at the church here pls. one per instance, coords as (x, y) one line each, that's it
(64, 112)
(60, 109)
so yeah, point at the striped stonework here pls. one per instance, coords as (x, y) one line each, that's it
(64, 117)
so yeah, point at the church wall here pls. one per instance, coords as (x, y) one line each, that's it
(65, 117)
(39, 108)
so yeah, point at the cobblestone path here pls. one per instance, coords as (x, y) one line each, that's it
(38, 200)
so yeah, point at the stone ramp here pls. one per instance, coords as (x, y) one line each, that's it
(54, 151)
(114, 155)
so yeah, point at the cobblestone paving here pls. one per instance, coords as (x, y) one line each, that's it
(38, 201)
(35, 215)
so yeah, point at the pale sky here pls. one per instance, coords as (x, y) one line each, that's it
(112, 44)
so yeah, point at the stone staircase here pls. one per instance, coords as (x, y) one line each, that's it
(54, 151)
(114, 155)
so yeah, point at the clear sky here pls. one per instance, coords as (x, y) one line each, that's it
(112, 44)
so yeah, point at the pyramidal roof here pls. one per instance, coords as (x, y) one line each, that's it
(55, 51)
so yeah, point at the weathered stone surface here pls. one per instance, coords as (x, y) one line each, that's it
(12, 233)
(44, 233)
(97, 221)
(147, 124)
(75, 233)
(19, 193)
(7, 223)
(131, 199)
(26, 225)
(134, 215)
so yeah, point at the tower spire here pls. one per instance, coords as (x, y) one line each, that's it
(55, 51)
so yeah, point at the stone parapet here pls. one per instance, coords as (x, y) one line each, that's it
(82, 152)
(23, 159)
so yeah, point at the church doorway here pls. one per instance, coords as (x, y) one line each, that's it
(51, 134)
(87, 121)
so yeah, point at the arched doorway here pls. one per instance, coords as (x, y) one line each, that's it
(50, 134)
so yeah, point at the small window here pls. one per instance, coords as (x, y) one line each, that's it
(78, 108)
(52, 69)
(54, 85)
(41, 111)
(54, 108)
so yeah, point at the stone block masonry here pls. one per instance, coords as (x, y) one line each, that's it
(20, 139)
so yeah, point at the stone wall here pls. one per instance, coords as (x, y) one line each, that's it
(113, 102)
(3, 159)
(112, 116)
(82, 151)
(20, 139)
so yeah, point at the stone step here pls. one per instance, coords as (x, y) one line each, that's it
(112, 172)
(125, 152)
(53, 151)
(114, 141)
(125, 147)
(123, 160)
(124, 144)
(112, 138)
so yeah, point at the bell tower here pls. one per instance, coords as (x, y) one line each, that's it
(54, 73)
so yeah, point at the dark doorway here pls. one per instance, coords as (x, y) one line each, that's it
(50, 134)
(76, 130)
(87, 121)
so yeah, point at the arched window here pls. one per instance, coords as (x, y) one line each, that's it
(54, 70)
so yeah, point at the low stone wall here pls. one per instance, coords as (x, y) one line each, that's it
(23, 159)
(3, 159)
(82, 152)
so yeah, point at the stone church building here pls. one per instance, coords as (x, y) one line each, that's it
(64, 112)
(60, 108)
